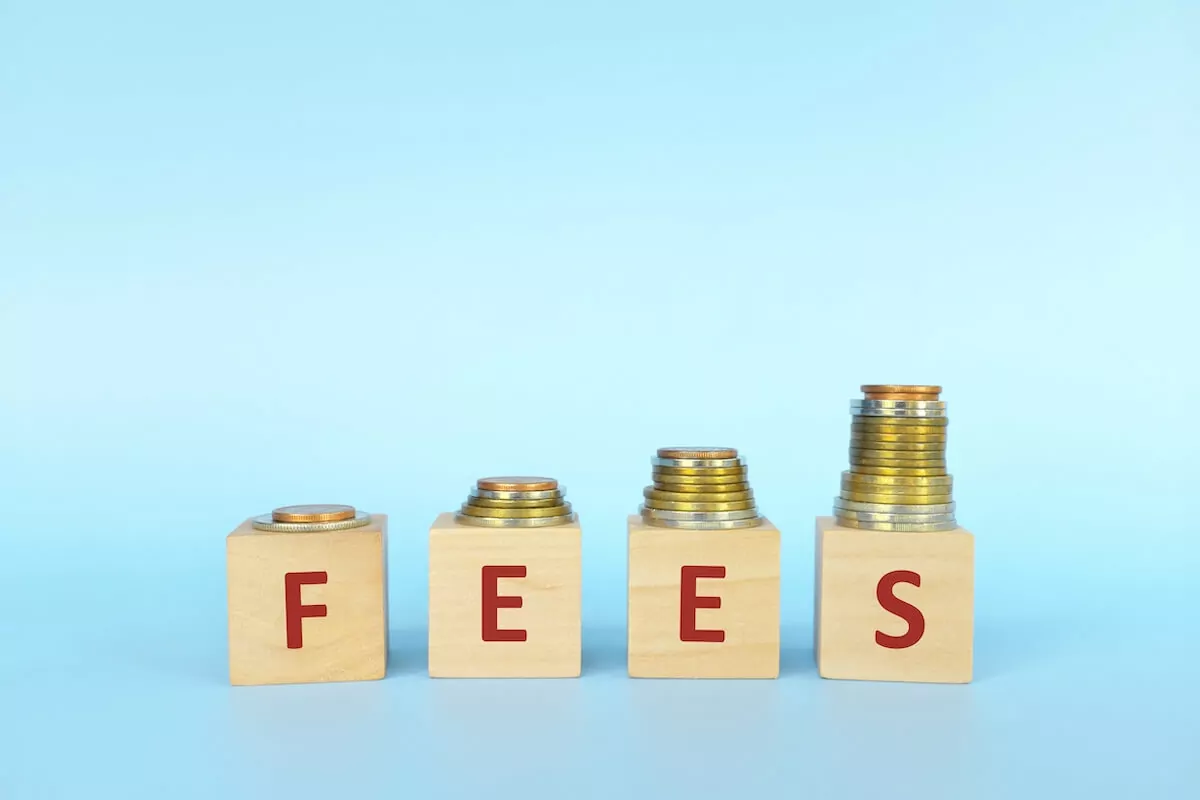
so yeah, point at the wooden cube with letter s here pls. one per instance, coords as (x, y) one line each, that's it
(895, 574)
(307, 596)
(505, 583)
(894, 606)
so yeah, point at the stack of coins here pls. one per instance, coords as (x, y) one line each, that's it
(516, 502)
(310, 518)
(897, 479)
(702, 488)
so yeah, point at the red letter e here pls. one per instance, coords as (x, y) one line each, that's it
(689, 602)
(907, 612)
(493, 602)
(294, 607)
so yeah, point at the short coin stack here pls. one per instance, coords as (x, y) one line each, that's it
(897, 479)
(516, 502)
(702, 488)
(311, 519)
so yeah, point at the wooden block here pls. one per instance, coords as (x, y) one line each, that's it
(307, 607)
(703, 604)
(504, 602)
(894, 606)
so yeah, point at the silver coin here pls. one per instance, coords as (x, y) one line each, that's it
(697, 462)
(265, 522)
(897, 412)
(897, 527)
(540, 494)
(697, 516)
(908, 519)
(888, 508)
(514, 522)
(705, 525)
(911, 404)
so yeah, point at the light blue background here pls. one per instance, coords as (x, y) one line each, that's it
(365, 252)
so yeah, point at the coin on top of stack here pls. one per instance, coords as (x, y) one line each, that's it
(897, 479)
(516, 501)
(701, 488)
(311, 519)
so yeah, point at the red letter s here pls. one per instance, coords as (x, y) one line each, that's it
(906, 611)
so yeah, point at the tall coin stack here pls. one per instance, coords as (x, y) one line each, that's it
(702, 488)
(897, 479)
(516, 502)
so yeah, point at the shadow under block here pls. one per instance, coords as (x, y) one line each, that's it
(685, 621)
(504, 602)
(894, 606)
(307, 607)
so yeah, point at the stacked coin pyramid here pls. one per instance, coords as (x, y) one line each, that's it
(702, 488)
(897, 479)
(516, 502)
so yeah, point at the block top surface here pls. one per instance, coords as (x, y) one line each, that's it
(378, 523)
(638, 525)
(830, 525)
(446, 522)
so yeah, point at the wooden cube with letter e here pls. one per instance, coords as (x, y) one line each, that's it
(703, 572)
(505, 584)
(893, 606)
(307, 596)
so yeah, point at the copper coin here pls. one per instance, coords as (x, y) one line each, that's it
(900, 388)
(320, 512)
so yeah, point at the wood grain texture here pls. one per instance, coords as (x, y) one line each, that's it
(749, 602)
(348, 644)
(850, 564)
(550, 592)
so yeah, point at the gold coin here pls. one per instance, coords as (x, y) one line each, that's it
(725, 471)
(896, 499)
(491, 502)
(516, 513)
(697, 452)
(894, 441)
(912, 471)
(701, 488)
(652, 493)
(704, 480)
(887, 480)
(895, 463)
(916, 527)
(320, 512)
(885, 388)
(898, 396)
(857, 451)
(877, 488)
(516, 483)
(862, 422)
(670, 505)
(884, 488)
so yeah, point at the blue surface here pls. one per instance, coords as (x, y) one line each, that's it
(533, 220)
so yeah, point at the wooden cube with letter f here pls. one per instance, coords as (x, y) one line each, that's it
(703, 603)
(893, 606)
(307, 594)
